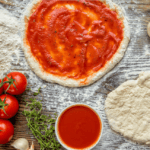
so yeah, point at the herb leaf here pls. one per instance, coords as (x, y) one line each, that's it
(41, 126)
(29, 89)
(36, 93)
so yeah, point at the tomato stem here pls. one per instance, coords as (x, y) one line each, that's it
(10, 81)
(2, 83)
(2, 105)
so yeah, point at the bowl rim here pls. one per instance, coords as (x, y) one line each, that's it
(56, 127)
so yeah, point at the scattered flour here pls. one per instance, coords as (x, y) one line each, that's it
(9, 40)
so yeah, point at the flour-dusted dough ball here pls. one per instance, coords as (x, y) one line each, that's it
(128, 109)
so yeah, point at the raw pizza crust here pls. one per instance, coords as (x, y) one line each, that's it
(35, 66)
(128, 109)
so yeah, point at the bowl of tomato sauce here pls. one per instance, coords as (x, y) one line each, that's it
(78, 127)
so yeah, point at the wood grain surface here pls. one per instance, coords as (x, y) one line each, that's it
(56, 97)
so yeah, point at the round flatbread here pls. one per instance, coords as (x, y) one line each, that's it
(74, 43)
(128, 109)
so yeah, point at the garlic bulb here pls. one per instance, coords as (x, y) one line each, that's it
(32, 147)
(148, 29)
(22, 144)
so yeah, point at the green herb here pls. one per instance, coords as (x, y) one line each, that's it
(36, 93)
(50, 63)
(41, 126)
(55, 31)
(24, 99)
(29, 89)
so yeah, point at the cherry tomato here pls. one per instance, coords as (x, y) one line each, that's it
(6, 131)
(17, 83)
(8, 106)
(1, 89)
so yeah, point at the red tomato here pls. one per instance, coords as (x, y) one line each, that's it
(9, 104)
(17, 83)
(1, 89)
(6, 131)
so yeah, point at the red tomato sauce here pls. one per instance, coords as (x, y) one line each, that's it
(79, 127)
(73, 39)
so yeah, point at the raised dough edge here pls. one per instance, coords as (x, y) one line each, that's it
(35, 66)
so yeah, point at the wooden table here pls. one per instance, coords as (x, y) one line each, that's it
(56, 97)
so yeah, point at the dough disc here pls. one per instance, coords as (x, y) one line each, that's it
(128, 109)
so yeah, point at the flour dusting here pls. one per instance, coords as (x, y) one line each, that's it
(9, 40)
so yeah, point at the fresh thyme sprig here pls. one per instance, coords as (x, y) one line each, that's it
(36, 93)
(41, 126)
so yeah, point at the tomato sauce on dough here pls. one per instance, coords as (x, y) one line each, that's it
(79, 127)
(73, 39)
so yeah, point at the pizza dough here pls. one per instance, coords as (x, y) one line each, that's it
(63, 72)
(128, 109)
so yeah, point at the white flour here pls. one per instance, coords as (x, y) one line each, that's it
(9, 40)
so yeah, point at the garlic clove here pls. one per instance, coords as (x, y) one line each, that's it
(32, 147)
(21, 144)
(148, 29)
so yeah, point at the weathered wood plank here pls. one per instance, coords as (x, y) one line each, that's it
(7, 2)
(56, 97)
